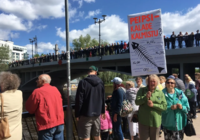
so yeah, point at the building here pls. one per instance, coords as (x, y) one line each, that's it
(17, 52)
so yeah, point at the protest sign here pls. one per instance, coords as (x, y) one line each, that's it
(146, 44)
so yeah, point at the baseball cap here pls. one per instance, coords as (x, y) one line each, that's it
(93, 68)
(171, 77)
(117, 80)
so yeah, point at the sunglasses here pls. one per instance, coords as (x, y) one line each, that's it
(170, 83)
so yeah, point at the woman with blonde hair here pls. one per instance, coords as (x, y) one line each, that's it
(152, 103)
(188, 80)
(162, 81)
(12, 103)
(131, 93)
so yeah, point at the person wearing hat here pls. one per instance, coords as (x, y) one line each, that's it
(179, 83)
(197, 38)
(118, 96)
(89, 105)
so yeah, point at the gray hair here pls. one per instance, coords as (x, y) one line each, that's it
(153, 76)
(46, 78)
(9, 81)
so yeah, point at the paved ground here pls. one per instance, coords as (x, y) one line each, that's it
(196, 123)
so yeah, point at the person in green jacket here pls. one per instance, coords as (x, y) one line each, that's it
(152, 103)
(174, 119)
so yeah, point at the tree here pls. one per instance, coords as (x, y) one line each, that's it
(36, 55)
(4, 57)
(86, 41)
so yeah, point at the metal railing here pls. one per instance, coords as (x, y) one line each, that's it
(29, 129)
(180, 42)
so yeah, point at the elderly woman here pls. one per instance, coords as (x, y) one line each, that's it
(118, 96)
(131, 93)
(174, 119)
(159, 86)
(152, 103)
(12, 99)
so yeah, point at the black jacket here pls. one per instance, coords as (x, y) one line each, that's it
(90, 97)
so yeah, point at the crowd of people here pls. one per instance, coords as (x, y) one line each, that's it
(109, 49)
(188, 39)
(163, 105)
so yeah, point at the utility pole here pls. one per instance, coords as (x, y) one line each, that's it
(69, 127)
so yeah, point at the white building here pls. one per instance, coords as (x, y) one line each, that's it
(18, 52)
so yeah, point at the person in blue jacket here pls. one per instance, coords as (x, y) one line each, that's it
(118, 96)
(174, 119)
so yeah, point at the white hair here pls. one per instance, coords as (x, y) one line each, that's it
(46, 78)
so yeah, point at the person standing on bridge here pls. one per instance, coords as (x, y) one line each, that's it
(89, 105)
(46, 103)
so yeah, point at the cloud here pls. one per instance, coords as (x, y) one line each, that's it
(89, 1)
(93, 13)
(36, 9)
(14, 35)
(43, 47)
(113, 29)
(40, 27)
(80, 2)
(11, 22)
(177, 21)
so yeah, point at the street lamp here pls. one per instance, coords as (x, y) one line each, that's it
(99, 22)
(31, 41)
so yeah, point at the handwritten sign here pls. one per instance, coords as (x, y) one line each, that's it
(146, 44)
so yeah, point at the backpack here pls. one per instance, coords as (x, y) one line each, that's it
(189, 93)
(126, 106)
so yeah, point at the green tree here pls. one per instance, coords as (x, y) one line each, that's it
(37, 55)
(86, 41)
(4, 57)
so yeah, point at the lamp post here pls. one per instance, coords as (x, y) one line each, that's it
(31, 41)
(69, 126)
(99, 22)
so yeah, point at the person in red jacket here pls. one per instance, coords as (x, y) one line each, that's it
(46, 103)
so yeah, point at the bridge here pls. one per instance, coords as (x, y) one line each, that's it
(185, 60)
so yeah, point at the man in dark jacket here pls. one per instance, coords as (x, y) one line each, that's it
(197, 38)
(173, 39)
(89, 105)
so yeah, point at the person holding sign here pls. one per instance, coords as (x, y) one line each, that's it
(191, 94)
(174, 119)
(152, 103)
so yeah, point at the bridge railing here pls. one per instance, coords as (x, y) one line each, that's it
(29, 128)
(180, 42)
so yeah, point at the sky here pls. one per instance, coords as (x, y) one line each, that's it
(21, 20)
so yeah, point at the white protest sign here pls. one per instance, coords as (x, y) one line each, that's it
(146, 44)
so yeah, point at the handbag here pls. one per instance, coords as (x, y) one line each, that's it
(189, 128)
(4, 127)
